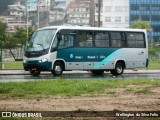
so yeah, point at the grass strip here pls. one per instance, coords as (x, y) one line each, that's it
(13, 65)
(68, 88)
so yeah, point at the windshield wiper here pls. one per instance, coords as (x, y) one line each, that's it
(41, 45)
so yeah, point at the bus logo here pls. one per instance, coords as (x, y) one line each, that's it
(71, 55)
(6, 114)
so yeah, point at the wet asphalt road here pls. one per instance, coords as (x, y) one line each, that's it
(78, 75)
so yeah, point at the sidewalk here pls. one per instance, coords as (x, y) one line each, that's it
(22, 72)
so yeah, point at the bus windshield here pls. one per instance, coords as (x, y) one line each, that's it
(41, 40)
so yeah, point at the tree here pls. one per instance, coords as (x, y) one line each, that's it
(17, 40)
(21, 36)
(30, 32)
(139, 24)
(153, 51)
(10, 43)
(2, 38)
(2, 31)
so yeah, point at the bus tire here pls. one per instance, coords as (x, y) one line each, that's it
(97, 72)
(57, 69)
(35, 72)
(119, 68)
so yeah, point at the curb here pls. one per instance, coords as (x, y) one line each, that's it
(22, 72)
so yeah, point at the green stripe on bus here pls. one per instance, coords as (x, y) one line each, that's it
(85, 54)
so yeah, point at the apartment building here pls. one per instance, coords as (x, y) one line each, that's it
(57, 12)
(16, 18)
(78, 13)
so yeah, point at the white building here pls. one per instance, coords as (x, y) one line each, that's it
(116, 13)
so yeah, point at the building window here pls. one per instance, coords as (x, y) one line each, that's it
(126, 9)
(108, 8)
(107, 19)
(117, 19)
(126, 19)
(118, 9)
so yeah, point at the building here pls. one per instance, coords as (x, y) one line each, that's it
(57, 12)
(16, 18)
(78, 13)
(57, 16)
(17, 10)
(115, 13)
(12, 23)
(147, 10)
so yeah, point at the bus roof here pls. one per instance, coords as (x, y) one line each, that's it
(92, 28)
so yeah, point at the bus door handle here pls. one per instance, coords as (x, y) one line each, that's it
(142, 52)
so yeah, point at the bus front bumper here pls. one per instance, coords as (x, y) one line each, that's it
(37, 65)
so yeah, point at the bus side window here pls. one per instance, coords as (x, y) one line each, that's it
(85, 39)
(68, 39)
(116, 39)
(131, 43)
(71, 39)
(101, 39)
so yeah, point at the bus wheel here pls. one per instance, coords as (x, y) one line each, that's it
(97, 72)
(119, 68)
(35, 72)
(57, 69)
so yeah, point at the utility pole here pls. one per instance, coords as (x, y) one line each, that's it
(27, 15)
(99, 13)
(92, 13)
(48, 12)
(140, 10)
(38, 13)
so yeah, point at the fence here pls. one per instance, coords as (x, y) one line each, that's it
(0, 59)
(7, 56)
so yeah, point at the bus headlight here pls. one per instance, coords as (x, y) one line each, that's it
(24, 61)
(44, 60)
